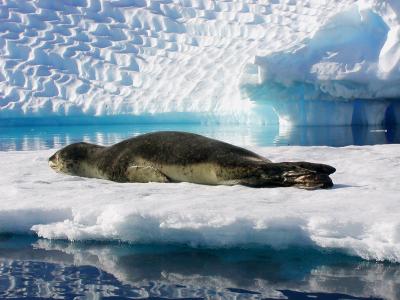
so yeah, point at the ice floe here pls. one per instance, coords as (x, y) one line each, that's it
(360, 215)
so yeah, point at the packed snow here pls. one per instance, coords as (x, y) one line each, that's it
(360, 215)
(242, 61)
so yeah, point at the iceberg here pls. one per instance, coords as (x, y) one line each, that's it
(292, 62)
(345, 73)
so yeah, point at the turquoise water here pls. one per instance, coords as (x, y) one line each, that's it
(40, 269)
(45, 137)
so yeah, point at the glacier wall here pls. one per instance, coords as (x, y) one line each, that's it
(286, 61)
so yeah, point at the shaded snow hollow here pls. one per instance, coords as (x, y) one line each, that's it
(360, 215)
(220, 59)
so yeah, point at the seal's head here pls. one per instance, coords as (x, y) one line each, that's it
(70, 158)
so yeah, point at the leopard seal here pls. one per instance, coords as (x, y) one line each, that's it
(170, 156)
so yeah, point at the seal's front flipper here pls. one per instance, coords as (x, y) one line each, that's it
(145, 174)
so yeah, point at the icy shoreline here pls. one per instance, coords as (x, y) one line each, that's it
(359, 216)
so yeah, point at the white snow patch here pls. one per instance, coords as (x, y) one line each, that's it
(360, 215)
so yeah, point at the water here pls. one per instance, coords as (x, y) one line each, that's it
(45, 137)
(42, 268)
(39, 268)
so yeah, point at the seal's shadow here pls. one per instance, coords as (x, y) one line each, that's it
(343, 186)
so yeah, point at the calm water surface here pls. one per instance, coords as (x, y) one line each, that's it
(45, 137)
(40, 269)
(31, 267)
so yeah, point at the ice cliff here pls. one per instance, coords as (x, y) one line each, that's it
(298, 62)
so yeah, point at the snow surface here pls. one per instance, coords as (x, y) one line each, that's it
(217, 58)
(360, 215)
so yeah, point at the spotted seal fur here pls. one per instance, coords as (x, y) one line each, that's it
(186, 157)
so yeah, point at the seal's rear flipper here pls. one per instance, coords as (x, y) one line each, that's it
(314, 181)
(145, 174)
(299, 174)
(319, 168)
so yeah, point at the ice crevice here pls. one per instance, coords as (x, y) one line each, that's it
(236, 61)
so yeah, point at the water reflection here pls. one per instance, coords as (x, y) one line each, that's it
(42, 137)
(43, 268)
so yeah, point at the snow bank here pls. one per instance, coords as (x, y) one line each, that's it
(149, 58)
(359, 216)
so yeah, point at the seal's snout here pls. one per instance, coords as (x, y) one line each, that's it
(53, 161)
(52, 164)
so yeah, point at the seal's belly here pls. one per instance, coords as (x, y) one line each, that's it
(202, 173)
(210, 173)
